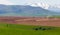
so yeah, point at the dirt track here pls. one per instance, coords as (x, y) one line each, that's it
(32, 21)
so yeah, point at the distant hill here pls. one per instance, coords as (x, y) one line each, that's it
(21, 10)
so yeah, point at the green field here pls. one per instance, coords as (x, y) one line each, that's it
(15, 29)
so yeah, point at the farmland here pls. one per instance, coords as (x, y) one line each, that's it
(16, 29)
(42, 21)
(29, 26)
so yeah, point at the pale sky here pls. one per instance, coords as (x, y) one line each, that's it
(22, 2)
(6, 2)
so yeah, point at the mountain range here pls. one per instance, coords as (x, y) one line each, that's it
(25, 10)
(55, 8)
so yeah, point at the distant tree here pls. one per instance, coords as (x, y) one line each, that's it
(44, 29)
(7, 25)
(35, 28)
(40, 28)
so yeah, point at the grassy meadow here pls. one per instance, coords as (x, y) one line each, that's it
(16, 29)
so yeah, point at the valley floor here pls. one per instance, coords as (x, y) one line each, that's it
(42, 21)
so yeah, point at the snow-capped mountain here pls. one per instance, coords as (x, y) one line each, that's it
(55, 8)
(43, 5)
(21, 10)
(30, 9)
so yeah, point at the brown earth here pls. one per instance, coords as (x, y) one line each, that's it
(43, 21)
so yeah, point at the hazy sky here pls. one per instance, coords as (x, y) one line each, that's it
(21, 2)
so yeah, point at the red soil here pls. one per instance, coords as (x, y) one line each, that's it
(32, 21)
